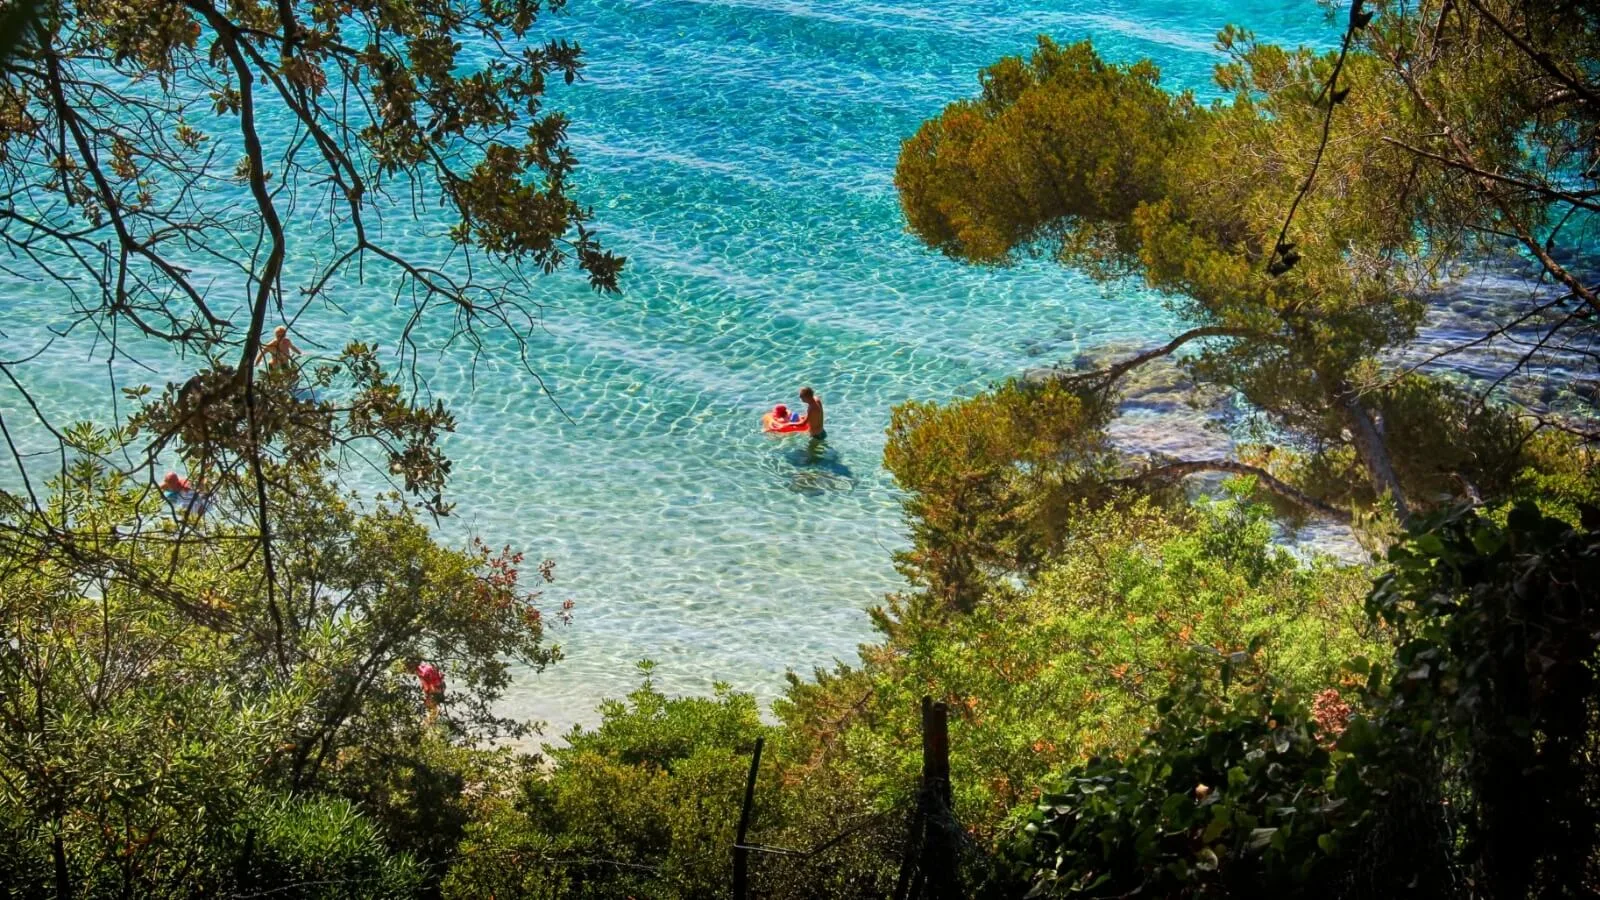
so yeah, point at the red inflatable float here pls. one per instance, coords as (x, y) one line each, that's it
(779, 422)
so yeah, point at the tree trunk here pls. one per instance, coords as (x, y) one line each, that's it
(58, 852)
(1373, 449)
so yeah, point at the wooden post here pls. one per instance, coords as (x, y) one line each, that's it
(58, 850)
(938, 845)
(936, 749)
(928, 868)
(741, 854)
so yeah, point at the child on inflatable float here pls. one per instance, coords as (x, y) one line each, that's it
(183, 496)
(780, 422)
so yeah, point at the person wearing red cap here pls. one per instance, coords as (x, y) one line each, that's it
(775, 420)
(183, 494)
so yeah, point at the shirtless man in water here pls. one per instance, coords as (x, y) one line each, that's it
(813, 418)
(280, 351)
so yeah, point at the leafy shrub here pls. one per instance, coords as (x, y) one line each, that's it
(1464, 766)
(1071, 666)
(425, 793)
(1493, 686)
(644, 805)
(317, 848)
(987, 480)
(157, 690)
(1563, 474)
(1227, 797)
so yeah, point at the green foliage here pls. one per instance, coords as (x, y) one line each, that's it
(1466, 759)
(1563, 474)
(1497, 639)
(163, 684)
(1229, 796)
(139, 745)
(425, 794)
(1095, 164)
(15, 24)
(320, 849)
(1200, 193)
(1444, 444)
(1061, 135)
(128, 740)
(646, 805)
(986, 481)
(642, 806)
(1071, 665)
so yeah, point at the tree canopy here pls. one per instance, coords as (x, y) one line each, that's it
(129, 129)
(190, 174)
(1294, 225)
(159, 685)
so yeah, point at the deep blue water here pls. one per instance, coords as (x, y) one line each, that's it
(740, 153)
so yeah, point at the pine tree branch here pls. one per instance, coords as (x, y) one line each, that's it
(1544, 191)
(1539, 57)
(1486, 185)
(1179, 469)
(1106, 377)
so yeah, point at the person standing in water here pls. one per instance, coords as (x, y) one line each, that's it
(813, 418)
(280, 351)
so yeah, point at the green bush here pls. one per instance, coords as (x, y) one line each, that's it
(158, 687)
(1071, 665)
(1492, 694)
(1463, 766)
(645, 805)
(1227, 797)
(989, 479)
(316, 848)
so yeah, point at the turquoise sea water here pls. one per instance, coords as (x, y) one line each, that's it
(740, 153)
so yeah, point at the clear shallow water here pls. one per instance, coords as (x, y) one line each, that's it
(740, 154)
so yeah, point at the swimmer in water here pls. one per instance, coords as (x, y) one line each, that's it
(776, 419)
(813, 417)
(174, 486)
(183, 494)
(280, 351)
